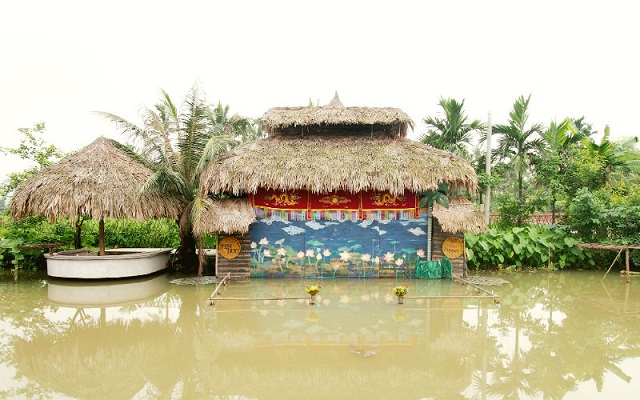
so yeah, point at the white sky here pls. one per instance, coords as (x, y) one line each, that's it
(60, 60)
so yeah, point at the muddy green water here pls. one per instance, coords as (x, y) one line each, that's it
(553, 336)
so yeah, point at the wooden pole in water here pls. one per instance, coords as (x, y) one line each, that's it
(627, 266)
(215, 264)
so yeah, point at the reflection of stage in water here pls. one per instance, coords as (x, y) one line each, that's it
(106, 293)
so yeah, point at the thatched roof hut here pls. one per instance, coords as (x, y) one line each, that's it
(461, 216)
(97, 181)
(333, 147)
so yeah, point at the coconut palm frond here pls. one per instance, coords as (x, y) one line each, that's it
(216, 146)
(126, 127)
(131, 152)
(193, 134)
(167, 182)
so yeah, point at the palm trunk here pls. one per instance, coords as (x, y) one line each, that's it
(186, 257)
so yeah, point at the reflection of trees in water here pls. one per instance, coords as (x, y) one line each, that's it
(112, 361)
(568, 339)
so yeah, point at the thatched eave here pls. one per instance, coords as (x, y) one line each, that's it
(461, 216)
(226, 216)
(324, 165)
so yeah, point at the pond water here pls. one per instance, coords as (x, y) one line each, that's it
(567, 335)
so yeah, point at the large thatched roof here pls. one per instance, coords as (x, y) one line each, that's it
(324, 164)
(304, 120)
(461, 216)
(98, 181)
(224, 216)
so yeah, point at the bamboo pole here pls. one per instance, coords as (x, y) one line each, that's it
(613, 263)
(627, 262)
(261, 298)
(452, 297)
(217, 289)
(496, 298)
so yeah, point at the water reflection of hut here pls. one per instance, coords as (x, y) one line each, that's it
(332, 191)
(99, 356)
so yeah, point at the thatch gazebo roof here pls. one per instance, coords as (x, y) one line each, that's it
(228, 216)
(335, 118)
(324, 164)
(461, 216)
(97, 181)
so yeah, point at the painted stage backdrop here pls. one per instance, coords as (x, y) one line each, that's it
(337, 248)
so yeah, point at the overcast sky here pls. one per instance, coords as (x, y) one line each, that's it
(60, 60)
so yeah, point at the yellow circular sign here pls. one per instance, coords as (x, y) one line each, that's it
(453, 247)
(229, 247)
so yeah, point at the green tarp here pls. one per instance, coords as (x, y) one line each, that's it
(433, 269)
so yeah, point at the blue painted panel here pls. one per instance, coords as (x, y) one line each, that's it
(326, 249)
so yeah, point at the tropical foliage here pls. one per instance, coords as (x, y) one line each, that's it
(588, 186)
(178, 142)
(586, 180)
(453, 131)
(530, 247)
(32, 148)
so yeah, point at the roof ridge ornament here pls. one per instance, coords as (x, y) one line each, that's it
(335, 102)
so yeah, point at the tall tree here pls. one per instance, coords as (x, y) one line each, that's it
(518, 143)
(34, 149)
(452, 131)
(558, 140)
(178, 143)
(616, 157)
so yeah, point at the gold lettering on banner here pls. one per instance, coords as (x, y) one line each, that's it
(453, 247)
(229, 247)
(388, 200)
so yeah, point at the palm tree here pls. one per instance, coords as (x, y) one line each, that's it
(178, 143)
(518, 143)
(615, 156)
(453, 132)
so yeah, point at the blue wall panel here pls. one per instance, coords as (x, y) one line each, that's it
(326, 249)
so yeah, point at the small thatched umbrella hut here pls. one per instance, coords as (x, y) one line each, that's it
(335, 192)
(99, 181)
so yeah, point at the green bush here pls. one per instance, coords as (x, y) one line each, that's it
(30, 231)
(129, 233)
(530, 247)
(118, 233)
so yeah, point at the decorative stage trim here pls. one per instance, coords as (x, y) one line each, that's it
(300, 205)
